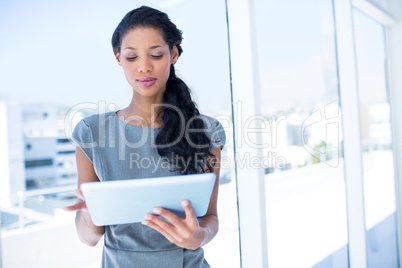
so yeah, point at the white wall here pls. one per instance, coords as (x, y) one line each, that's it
(50, 245)
(12, 170)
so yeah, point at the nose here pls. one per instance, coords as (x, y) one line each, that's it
(144, 65)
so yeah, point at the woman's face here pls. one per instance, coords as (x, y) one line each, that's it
(146, 59)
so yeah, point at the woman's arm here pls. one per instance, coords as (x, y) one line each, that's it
(88, 233)
(210, 222)
(190, 233)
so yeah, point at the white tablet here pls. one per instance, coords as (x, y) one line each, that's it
(127, 201)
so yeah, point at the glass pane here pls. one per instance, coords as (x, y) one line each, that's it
(59, 62)
(376, 141)
(305, 189)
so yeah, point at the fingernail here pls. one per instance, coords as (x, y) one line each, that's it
(157, 210)
(148, 217)
(185, 203)
(144, 222)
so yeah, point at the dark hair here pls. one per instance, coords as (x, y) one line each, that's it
(193, 148)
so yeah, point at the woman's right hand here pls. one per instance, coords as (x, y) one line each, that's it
(80, 205)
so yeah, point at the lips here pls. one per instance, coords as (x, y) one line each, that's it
(146, 81)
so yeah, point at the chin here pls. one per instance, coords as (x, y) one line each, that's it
(148, 93)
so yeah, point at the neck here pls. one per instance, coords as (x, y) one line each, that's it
(144, 110)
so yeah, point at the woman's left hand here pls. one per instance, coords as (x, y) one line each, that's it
(185, 233)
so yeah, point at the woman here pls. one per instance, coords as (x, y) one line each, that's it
(161, 123)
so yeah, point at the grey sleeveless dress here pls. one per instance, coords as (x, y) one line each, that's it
(121, 151)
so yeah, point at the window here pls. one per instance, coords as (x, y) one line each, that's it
(305, 188)
(376, 142)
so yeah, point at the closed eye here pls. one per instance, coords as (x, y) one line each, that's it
(132, 58)
(156, 56)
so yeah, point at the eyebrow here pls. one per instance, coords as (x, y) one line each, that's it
(152, 47)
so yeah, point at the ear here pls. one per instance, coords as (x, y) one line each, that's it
(174, 55)
(118, 58)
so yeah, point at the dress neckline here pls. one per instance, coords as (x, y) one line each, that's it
(121, 121)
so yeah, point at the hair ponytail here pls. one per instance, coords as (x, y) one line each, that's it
(189, 154)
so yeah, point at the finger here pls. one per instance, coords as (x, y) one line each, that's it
(180, 228)
(171, 217)
(77, 206)
(79, 194)
(165, 226)
(191, 218)
(161, 223)
(156, 227)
